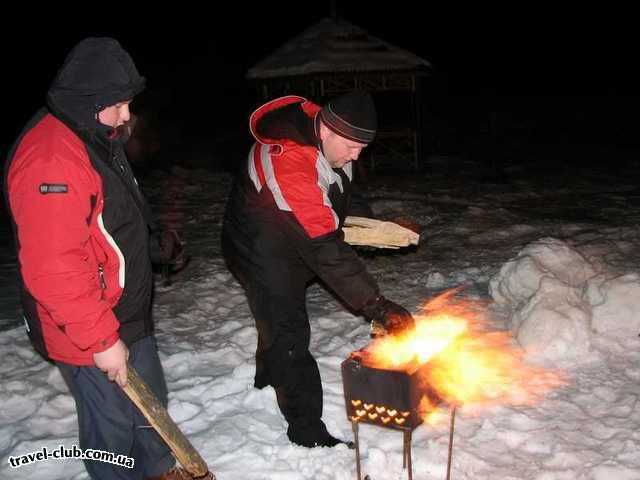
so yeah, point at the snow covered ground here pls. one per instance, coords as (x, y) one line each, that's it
(588, 429)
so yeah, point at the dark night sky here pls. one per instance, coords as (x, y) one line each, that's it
(558, 59)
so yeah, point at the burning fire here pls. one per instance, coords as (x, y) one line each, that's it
(468, 365)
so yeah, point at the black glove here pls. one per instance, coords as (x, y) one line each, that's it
(393, 317)
(172, 250)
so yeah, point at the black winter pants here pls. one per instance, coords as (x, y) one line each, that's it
(277, 297)
(109, 421)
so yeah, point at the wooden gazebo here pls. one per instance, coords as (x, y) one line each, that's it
(334, 56)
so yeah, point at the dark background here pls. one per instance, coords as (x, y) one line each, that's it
(536, 90)
(550, 77)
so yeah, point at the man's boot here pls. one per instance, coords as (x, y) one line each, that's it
(314, 436)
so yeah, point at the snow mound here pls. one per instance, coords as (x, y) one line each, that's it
(556, 300)
(519, 279)
(554, 322)
(615, 304)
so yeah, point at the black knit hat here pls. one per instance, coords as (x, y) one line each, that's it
(352, 116)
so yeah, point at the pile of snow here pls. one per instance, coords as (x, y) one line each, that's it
(615, 304)
(557, 300)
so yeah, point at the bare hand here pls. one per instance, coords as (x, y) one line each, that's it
(113, 361)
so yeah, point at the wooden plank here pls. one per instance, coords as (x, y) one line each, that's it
(377, 233)
(142, 396)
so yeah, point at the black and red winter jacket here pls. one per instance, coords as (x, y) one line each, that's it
(288, 203)
(81, 222)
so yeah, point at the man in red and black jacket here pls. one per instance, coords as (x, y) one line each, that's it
(82, 231)
(282, 230)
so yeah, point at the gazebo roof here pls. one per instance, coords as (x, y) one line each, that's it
(335, 46)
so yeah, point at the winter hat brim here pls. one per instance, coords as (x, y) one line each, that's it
(352, 116)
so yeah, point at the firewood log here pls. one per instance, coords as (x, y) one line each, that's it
(142, 396)
(376, 233)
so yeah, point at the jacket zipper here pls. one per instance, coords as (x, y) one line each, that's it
(103, 283)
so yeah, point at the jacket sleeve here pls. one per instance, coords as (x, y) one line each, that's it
(57, 263)
(336, 263)
(313, 225)
(297, 188)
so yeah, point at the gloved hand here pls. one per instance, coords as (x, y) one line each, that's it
(172, 249)
(393, 317)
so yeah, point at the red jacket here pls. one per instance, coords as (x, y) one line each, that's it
(81, 222)
(69, 263)
(296, 172)
(287, 206)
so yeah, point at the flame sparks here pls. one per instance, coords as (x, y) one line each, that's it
(467, 364)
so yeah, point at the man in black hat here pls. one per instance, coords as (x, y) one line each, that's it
(282, 230)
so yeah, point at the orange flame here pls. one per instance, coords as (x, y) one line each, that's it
(467, 364)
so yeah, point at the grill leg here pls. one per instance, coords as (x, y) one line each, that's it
(451, 427)
(354, 426)
(406, 453)
(404, 449)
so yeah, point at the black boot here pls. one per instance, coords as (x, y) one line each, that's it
(314, 436)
